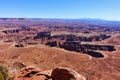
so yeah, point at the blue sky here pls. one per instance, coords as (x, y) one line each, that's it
(104, 9)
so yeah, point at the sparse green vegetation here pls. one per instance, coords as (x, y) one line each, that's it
(10, 78)
(4, 73)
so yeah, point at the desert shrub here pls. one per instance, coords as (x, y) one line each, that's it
(3, 73)
(10, 78)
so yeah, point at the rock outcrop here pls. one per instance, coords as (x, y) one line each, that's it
(66, 74)
(18, 45)
(28, 73)
(61, 73)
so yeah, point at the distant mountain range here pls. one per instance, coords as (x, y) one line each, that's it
(97, 21)
(37, 19)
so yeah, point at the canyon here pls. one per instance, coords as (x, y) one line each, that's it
(90, 48)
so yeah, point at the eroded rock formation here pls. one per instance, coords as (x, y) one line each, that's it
(61, 73)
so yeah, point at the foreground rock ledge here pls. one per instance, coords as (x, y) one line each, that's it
(61, 73)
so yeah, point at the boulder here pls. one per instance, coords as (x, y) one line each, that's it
(63, 73)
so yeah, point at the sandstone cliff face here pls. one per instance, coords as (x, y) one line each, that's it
(42, 35)
(82, 38)
(11, 31)
(87, 39)
(87, 48)
(76, 45)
